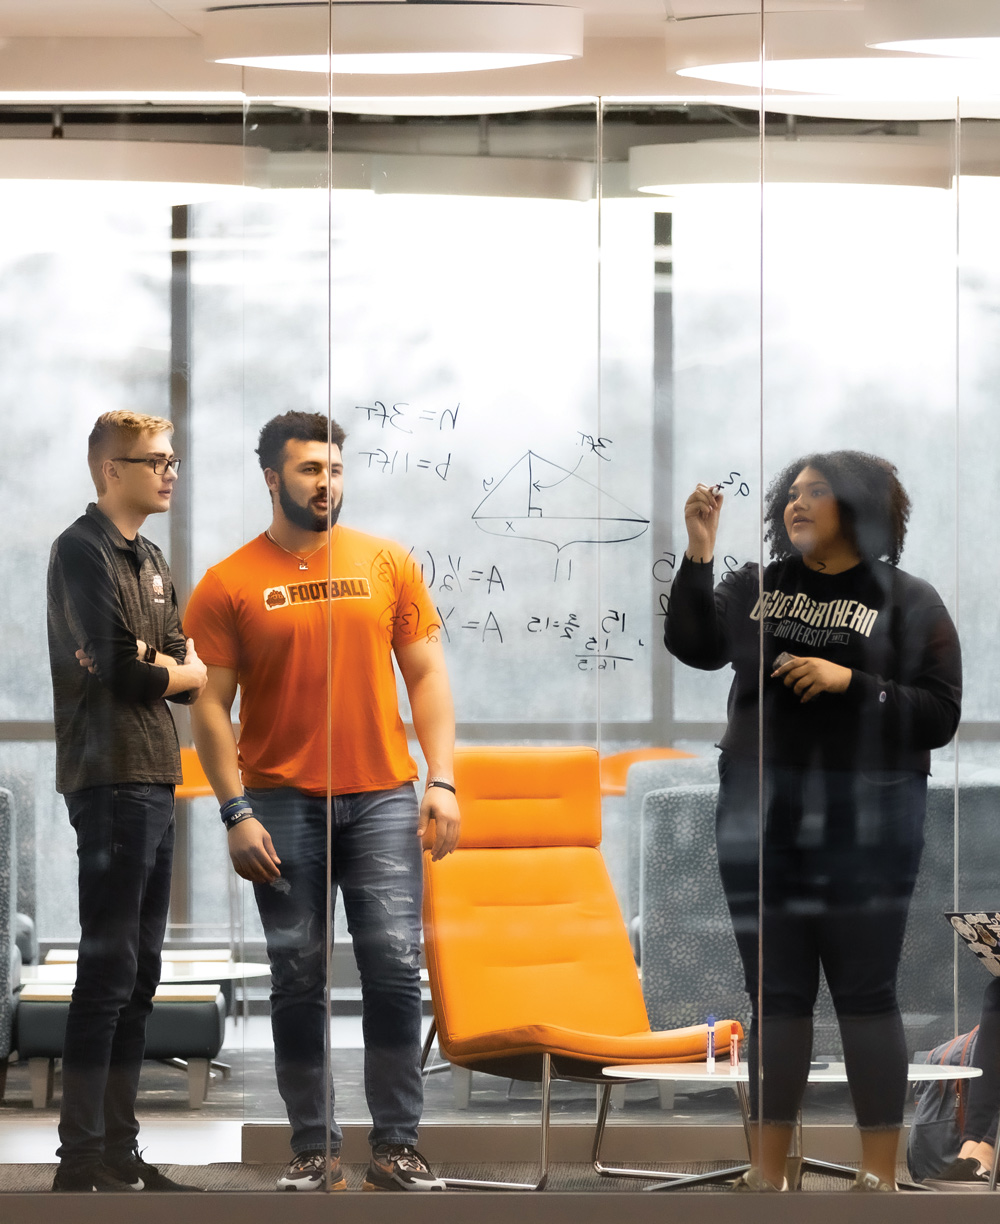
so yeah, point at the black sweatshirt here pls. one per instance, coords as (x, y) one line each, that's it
(889, 628)
(104, 593)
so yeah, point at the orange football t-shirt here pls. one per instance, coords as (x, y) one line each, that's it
(260, 614)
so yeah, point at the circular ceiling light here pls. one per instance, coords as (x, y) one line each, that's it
(922, 79)
(965, 28)
(818, 53)
(667, 169)
(184, 173)
(392, 36)
(430, 105)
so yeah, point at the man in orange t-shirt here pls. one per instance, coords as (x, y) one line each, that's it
(305, 620)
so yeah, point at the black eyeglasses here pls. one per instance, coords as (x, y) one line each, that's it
(159, 466)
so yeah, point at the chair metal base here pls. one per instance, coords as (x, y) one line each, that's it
(464, 1183)
(668, 1181)
(460, 1183)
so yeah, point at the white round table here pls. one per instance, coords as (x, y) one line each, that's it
(64, 973)
(738, 1078)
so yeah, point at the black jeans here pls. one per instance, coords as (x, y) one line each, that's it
(841, 854)
(125, 843)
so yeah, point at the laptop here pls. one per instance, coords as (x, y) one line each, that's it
(981, 931)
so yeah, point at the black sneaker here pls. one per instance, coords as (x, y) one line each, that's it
(398, 1166)
(308, 1172)
(92, 1176)
(142, 1176)
(965, 1173)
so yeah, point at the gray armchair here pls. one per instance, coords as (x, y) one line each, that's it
(10, 956)
(689, 957)
(643, 777)
(690, 965)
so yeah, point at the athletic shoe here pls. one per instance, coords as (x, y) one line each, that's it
(90, 1176)
(965, 1173)
(866, 1182)
(141, 1176)
(308, 1172)
(753, 1182)
(398, 1166)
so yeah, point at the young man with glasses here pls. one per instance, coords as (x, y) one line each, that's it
(306, 620)
(116, 650)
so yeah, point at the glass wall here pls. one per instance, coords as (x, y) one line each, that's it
(544, 331)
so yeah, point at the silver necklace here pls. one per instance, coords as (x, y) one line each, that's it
(303, 561)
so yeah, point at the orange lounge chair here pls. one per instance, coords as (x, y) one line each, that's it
(614, 768)
(530, 968)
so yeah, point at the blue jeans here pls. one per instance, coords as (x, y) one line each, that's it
(375, 860)
(125, 845)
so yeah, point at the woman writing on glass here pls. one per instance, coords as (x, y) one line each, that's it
(861, 678)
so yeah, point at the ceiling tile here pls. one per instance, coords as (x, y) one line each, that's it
(87, 18)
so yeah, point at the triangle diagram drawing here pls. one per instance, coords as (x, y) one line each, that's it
(539, 500)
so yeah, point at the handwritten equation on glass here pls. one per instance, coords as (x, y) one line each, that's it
(391, 459)
(450, 577)
(538, 500)
(535, 500)
(663, 574)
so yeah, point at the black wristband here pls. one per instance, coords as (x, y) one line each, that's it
(234, 810)
(444, 785)
(150, 654)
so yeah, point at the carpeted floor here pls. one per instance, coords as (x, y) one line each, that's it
(242, 1177)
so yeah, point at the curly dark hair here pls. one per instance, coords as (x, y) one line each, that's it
(298, 427)
(873, 505)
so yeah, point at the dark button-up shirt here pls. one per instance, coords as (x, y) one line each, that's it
(104, 593)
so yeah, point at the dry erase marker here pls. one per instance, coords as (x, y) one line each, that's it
(710, 1045)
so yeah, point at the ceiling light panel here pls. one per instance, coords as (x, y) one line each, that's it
(183, 172)
(665, 169)
(968, 28)
(392, 36)
(816, 53)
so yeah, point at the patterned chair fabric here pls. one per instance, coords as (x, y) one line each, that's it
(931, 954)
(690, 963)
(10, 957)
(623, 819)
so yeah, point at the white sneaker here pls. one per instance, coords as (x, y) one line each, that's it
(869, 1181)
(308, 1172)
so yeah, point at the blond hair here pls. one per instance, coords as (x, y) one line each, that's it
(114, 432)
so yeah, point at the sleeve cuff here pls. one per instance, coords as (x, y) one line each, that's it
(699, 572)
(865, 689)
(159, 679)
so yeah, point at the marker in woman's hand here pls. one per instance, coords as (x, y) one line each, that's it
(781, 661)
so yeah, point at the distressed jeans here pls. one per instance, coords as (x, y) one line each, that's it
(375, 860)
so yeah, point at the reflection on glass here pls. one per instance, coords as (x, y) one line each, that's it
(116, 650)
(852, 668)
(469, 322)
(306, 621)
